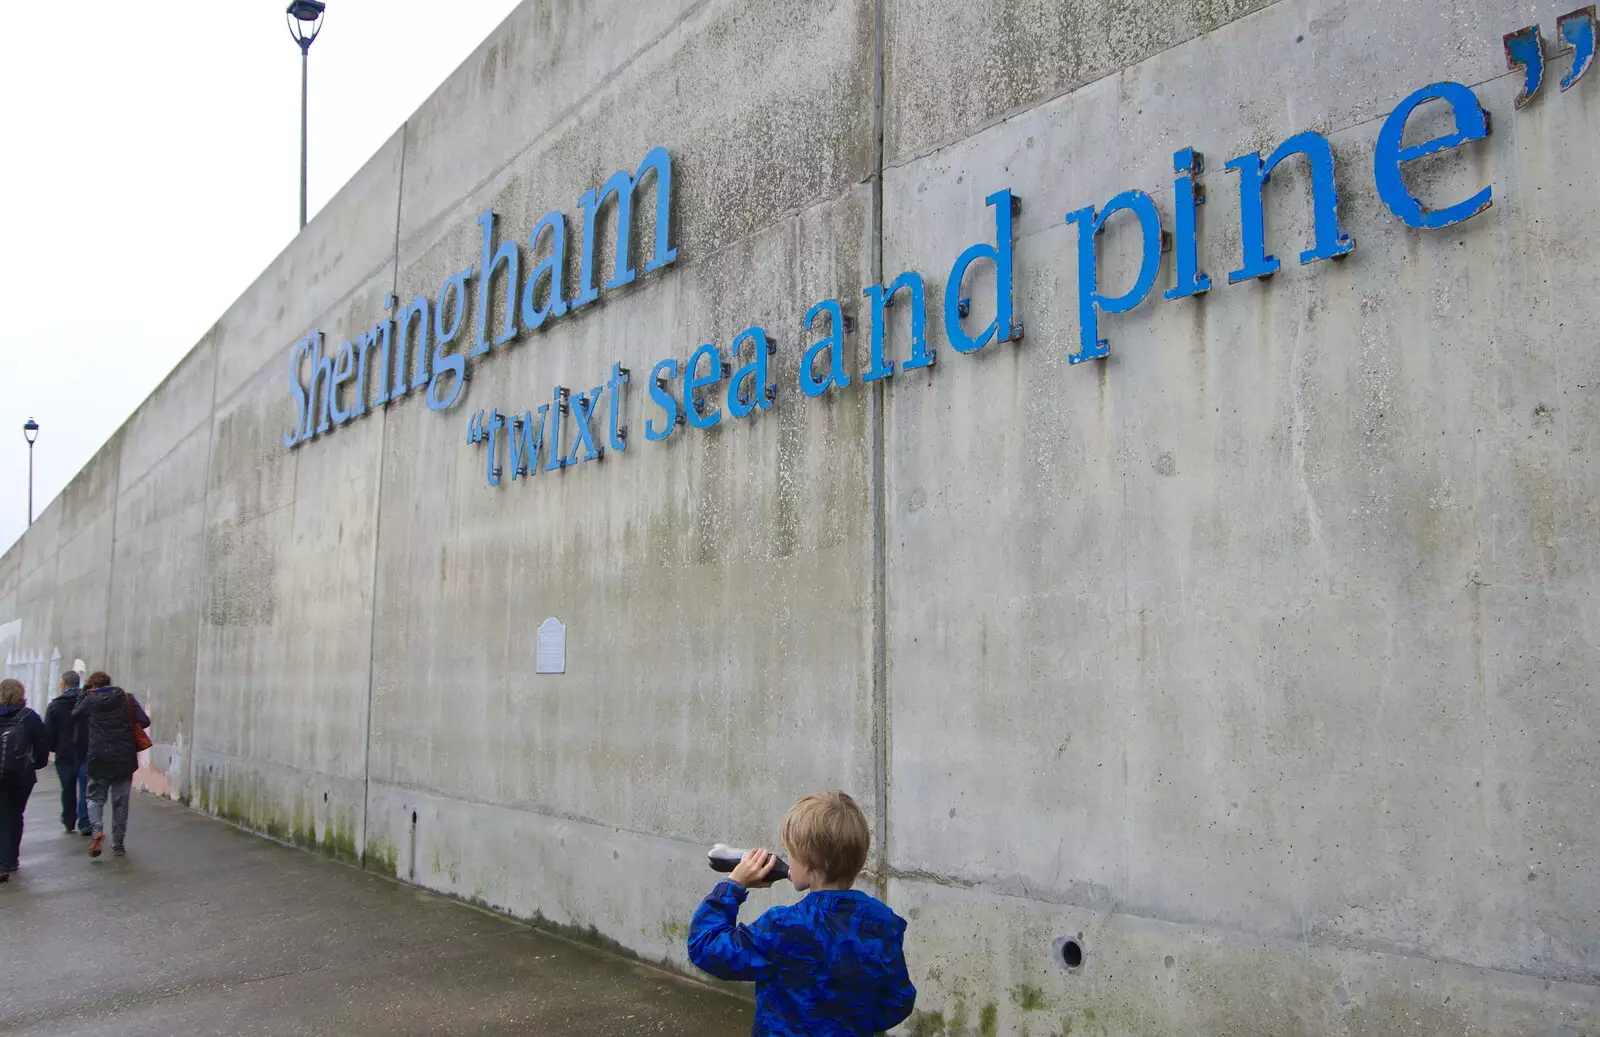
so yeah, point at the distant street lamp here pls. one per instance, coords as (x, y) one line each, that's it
(305, 21)
(30, 432)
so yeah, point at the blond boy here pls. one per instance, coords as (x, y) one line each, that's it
(831, 965)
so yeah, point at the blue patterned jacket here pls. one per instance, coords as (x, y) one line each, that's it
(830, 966)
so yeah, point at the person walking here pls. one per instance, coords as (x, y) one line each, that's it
(23, 750)
(67, 737)
(112, 758)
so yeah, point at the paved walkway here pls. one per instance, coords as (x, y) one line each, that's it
(204, 929)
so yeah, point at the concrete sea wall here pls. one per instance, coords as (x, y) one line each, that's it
(1257, 659)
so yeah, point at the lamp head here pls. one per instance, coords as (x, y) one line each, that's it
(30, 431)
(305, 21)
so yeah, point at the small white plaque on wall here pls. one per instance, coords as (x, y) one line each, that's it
(551, 656)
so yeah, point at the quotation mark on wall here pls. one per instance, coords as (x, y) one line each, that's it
(483, 430)
(1525, 50)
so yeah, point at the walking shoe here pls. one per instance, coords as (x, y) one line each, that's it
(117, 851)
(5, 876)
(85, 832)
(98, 841)
(71, 829)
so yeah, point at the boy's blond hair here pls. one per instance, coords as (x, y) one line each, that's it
(827, 833)
(12, 693)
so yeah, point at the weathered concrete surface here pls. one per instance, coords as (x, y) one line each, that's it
(1258, 644)
(951, 67)
(1262, 654)
(206, 929)
(153, 609)
(347, 243)
(713, 614)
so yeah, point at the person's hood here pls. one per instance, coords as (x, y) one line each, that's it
(870, 914)
(868, 906)
(70, 693)
(9, 711)
(102, 699)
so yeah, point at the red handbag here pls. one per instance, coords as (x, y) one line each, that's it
(141, 741)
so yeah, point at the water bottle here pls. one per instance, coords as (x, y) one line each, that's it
(723, 858)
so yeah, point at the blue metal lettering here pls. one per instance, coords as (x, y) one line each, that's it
(583, 407)
(1525, 50)
(491, 432)
(297, 392)
(343, 368)
(739, 403)
(1253, 177)
(1578, 29)
(527, 437)
(448, 363)
(661, 377)
(558, 407)
(555, 305)
(694, 381)
(1090, 300)
(1001, 253)
(386, 351)
(1187, 197)
(881, 299)
(508, 256)
(619, 434)
(321, 368)
(623, 186)
(1472, 123)
(833, 345)
(419, 309)
(365, 344)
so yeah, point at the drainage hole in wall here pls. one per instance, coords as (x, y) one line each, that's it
(1070, 953)
(324, 797)
(413, 817)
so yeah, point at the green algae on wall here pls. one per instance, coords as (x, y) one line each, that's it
(1028, 998)
(297, 827)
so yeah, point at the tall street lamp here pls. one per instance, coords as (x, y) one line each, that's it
(30, 432)
(305, 21)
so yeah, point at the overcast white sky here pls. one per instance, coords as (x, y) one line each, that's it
(152, 171)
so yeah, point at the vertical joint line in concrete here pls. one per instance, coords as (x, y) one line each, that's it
(377, 518)
(204, 579)
(399, 198)
(876, 403)
(111, 563)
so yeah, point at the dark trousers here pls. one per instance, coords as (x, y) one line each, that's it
(14, 795)
(74, 795)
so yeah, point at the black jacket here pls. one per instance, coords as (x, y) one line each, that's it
(67, 737)
(111, 756)
(35, 729)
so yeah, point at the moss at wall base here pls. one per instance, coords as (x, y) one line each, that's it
(297, 827)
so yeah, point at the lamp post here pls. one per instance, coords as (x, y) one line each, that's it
(30, 432)
(305, 21)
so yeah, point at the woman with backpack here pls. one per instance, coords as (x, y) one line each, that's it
(23, 750)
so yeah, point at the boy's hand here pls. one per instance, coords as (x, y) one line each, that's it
(751, 872)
